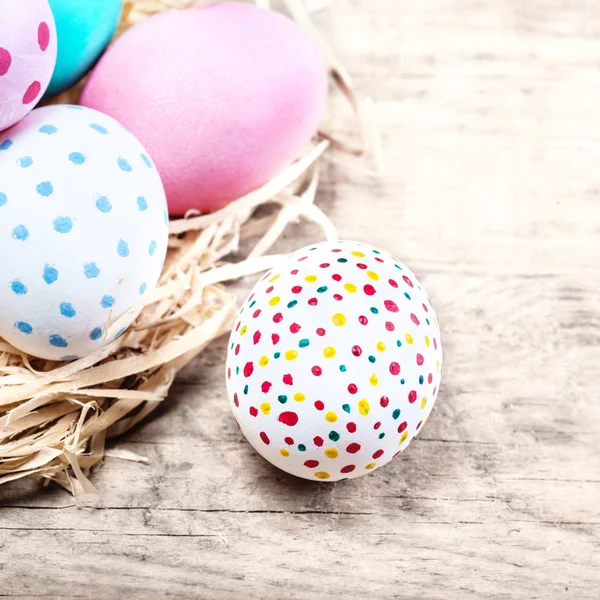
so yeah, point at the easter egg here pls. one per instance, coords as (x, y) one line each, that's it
(334, 362)
(83, 30)
(224, 96)
(27, 56)
(83, 231)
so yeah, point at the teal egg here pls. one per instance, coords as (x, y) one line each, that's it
(83, 30)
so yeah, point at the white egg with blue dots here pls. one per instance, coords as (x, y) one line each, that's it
(83, 231)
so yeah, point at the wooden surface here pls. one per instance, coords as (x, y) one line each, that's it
(490, 112)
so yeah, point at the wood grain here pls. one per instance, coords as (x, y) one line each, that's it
(491, 134)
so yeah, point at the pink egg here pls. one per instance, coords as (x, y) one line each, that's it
(224, 97)
(27, 56)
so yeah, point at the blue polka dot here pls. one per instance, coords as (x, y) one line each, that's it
(3, 199)
(67, 310)
(48, 129)
(69, 357)
(63, 224)
(44, 189)
(141, 203)
(25, 161)
(21, 233)
(6, 144)
(96, 334)
(58, 341)
(24, 327)
(120, 332)
(50, 274)
(103, 204)
(91, 270)
(146, 161)
(107, 301)
(143, 289)
(152, 248)
(124, 165)
(99, 128)
(77, 158)
(18, 287)
(123, 249)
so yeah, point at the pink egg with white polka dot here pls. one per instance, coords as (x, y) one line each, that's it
(27, 56)
(334, 362)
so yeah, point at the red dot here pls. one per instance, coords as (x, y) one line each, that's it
(253, 411)
(419, 424)
(229, 373)
(5, 61)
(347, 469)
(294, 272)
(275, 338)
(336, 277)
(288, 379)
(318, 440)
(378, 453)
(237, 327)
(352, 388)
(320, 331)
(394, 368)
(296, 289)
(43, 35)
(236, 400)
(402, 426)
(356, 350)
(265, 386)
(434, 390)
(391, 305)
(384, 401)
(324, 265)
(414, 319)
(252, 294)
(337, 297)
(289, 441)
(313, 302)
(420, 359)
(369, 289)
(248, 369)
(425, 307)
(361, 265)
(319, 405)
(311, 464)
(303, 258)
(237, 349)
(412, 396)
(256, 313)
(337, 250)
(363, 320)
(351, 427)
(256, 337)
(277, 318)
(353, 448)
(288, 418)
(317, 371)
(435, 343)
(265, 438)
(407, 281)
(393, 283)
(429, 378)
(389, 326)
(295, 328)
(269, 289)
(377, 425)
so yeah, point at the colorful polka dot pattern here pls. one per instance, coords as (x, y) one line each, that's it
(335, 361)
(82, 253)
(27, 57)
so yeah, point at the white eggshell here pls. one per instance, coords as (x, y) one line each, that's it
(83, 231)
(334, 363)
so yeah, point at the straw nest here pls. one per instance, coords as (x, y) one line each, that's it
(55, 417)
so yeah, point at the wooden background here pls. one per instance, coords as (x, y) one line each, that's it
(490, 113)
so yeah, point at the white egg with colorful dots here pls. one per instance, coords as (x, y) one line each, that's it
(83, 231)
(334, 363)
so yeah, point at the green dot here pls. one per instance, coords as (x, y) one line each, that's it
(343, 368)
(277, 355)
(398, 266)
(334, 436)
(396, 413)
(292, 303)
(403, 381)
(376, 251)
(237, 370)
(381, 435)
(346, 407)
(374, 310)
(241, 310)
(342, 260)
(322, 289)
(246, 389)
(301, 447)
(253, 303)
(303, 343)
(398, 343)
(407, 295)
(372, 359)
(282, 398)
(421, 380)
(427, 321)
(231, 347)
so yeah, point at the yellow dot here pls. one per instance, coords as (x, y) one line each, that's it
(363, 407)
(274, 300)
(329, 352)
(266, 408)
(310, 278)
(243, 329)
(284, 452)
(350, 287)
(264, 361)
(291, 354)
(338, 319)
(299, 397)
(322, 474)
(403, 437)
(380, 346)
(331, 417)
(423, 402)
(357, 253)
(331, 453)
(427, 342)
(371, 466)
(437, 365)
(373, 380)
(274, 278)
(409, 338)
(372, 275)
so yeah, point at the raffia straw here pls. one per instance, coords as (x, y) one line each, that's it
(55, 417)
